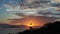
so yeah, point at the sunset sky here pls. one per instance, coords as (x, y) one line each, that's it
(22, 12)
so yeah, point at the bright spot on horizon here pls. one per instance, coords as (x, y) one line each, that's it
(30, 25)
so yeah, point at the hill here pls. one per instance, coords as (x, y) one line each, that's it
(50, 28)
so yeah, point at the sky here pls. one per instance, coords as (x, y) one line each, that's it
(17, 12)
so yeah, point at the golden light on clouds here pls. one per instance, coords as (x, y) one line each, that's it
(35, 20)
(30, 23)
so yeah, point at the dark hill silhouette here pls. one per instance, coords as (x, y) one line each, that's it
(50, 28)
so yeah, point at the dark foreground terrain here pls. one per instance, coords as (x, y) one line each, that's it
(50, 28)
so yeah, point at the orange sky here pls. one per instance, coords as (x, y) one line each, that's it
(35, 20)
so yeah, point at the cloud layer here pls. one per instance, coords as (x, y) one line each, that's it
(24, 8)
(32, 7)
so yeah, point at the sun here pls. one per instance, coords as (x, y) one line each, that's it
(30, 24)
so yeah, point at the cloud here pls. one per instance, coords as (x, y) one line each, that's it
(57, 20)
(55, 1)
(35, 3)
(0, 8)
(32, 7)
(56, 16)
(20, 14)
(26, 4)
(23, 8)
(34, 19)
(49, 11)
(39, 1)
(55, 4)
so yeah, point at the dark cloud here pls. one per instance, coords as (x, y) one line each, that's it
(46, 13)
(20, 14)
(58, 14)
(35, 4)
(55, 4)
(26, 3)
(49, 14)
(42, 1)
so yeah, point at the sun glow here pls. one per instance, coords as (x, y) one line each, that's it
(30, 24)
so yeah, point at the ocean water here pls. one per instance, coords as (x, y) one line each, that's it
(11, 30)
(14, 30)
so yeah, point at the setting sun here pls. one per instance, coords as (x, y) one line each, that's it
(30, 24)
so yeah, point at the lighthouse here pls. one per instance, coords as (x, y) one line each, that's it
(31, 26)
